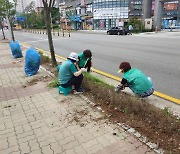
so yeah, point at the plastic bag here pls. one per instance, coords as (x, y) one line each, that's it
(15, 49)
(32, 62)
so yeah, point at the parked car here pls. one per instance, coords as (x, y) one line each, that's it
(17, 27)
(118, 31)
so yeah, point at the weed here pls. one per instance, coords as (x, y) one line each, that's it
(167, 111)
(96, 80)
(55, 83)
(44, 59)
(135, 111)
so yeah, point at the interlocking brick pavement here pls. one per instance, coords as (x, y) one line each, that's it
(35, 119)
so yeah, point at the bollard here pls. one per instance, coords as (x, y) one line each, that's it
(53, 32)
(63, 32)
(58, 32)
(69, 33)
(156, 29)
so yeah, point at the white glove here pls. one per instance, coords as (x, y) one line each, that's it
(83, 69)
(91, 69)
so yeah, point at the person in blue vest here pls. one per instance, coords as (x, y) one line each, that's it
(70, 74)
(137, 81)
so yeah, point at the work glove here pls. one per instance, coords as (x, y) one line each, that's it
(83, 69)
(119, 88)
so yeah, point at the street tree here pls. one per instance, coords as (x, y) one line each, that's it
(48, 4)
(8, 12)
(55, 15)
(137, 24)
(30, 8)
(2, 15)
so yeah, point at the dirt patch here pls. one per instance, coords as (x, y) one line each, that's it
(50, 68)
(159, 126)
(35, 80)
(4, 41)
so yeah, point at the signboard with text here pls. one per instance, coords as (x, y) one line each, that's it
(111, 13)
(20, 18)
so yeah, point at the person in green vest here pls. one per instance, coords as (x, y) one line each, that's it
(70, 74)
(85, 58)
(137, 81)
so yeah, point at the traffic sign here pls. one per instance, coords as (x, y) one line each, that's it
(21, 18)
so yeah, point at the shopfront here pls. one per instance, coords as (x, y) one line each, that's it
(75, 22)
(110, 13)
(88, 23)
(171, 14)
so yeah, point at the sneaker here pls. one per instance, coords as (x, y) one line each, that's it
(79, 91)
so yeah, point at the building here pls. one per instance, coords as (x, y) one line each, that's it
(171, 13)
(135, 8)
(76, 14)
(109, 13)
(20, 6)
(104, 14)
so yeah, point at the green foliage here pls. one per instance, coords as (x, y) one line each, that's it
(7, 8)
(30, 8)
(44, 58)
(2, 9)
(136, 23)
(96, 80)
(54, 84)
(167, 111)
(35, 20)
(55, 16)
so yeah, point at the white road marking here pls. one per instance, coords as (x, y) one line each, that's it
(157, 36)
(42, 39)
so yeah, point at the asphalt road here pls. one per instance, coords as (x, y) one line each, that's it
(157, 55)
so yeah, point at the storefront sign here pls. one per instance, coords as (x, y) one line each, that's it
(170, 7)
(111, 13)
(75, 18)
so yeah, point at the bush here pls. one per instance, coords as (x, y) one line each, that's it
(44, 59)
(54, 84)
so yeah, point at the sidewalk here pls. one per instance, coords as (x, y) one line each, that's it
(35, 119)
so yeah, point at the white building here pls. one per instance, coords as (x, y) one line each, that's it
(22, 4)
(38, 3)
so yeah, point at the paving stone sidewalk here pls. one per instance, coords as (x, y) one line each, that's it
(35, 119)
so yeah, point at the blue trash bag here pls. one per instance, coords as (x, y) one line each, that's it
(15, 49)
(32, 62)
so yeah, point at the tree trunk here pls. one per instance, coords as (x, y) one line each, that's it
(12, 33)
(3, 34)
(51, 46)
(2, 31)
(10, 28)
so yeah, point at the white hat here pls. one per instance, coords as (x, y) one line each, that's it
(73, 56)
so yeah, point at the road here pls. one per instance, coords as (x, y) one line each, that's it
(157, 55)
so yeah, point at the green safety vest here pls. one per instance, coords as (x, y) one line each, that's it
(82, 60)
(138, 82)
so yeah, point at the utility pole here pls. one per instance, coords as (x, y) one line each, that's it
(158, 14)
